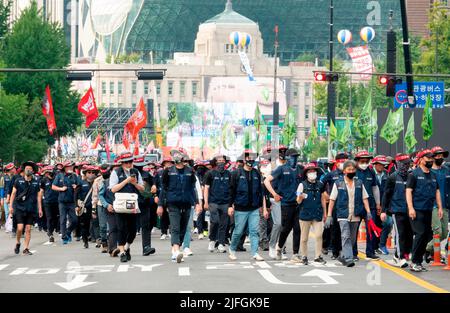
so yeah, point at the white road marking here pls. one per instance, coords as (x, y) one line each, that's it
(3, 266)
(42, 271)
(77, 282)
(144, 268)
(325, 276)
(48, 243)
(263, 265)
(186, 291)
(184, 271)
(19, 271)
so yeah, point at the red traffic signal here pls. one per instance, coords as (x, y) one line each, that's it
(383, 80)
(325, 77)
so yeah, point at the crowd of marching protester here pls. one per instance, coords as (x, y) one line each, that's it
(259, 198)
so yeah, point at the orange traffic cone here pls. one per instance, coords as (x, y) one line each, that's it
(362, 233)
(437, 251)
(448, 254)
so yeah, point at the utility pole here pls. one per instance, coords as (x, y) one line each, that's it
(407, 53)
(331, 86)
(276, 105)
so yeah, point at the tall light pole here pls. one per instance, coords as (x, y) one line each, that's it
(331, 87)
(276, 106)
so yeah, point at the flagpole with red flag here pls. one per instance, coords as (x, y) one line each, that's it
(88, 107)
(47, 110)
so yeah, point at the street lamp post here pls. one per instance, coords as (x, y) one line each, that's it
(276, 106)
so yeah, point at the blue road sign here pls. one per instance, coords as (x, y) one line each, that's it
(421, 91)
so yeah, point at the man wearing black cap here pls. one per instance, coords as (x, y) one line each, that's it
(422, 192)
(440, 226)
(287, 179)
(66, 183)
(25, 204)
(50, 198)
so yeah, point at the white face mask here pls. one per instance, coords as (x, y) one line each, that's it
(363, 166)
(341, 166)
(312, 176)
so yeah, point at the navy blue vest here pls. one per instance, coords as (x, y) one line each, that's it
(50, 196)
(180, 188)
(331, 178)
(128, 188)
(445, 194)
(109, 196)
(398, 201)
(242, 189)
(83, 192)
(219, 191)
(424, 195)
(368, 178)
(287, 184)
(63, 180)
(26, 195)
(342, 199)
(311, 207)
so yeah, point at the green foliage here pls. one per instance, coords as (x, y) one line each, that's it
(5, 10)
(132, 58)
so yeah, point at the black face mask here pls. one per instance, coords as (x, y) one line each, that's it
(429, 164)
(439, 162)
(351, 175)
(221, 167)
(250, 163)
(403, 168)
(106, 175)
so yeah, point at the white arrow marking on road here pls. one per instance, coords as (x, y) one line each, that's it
(77, 282)
(3, 266)
(48, 243)
(324, 275)
(263, 265)
(184, 271)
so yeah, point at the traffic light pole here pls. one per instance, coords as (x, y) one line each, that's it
(331, 87)
(276, 107)
(407, 53)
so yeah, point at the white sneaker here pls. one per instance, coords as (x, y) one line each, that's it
(247, 240)
(258, 258)
(212, 246)
(187, 252)
(284, 256)
(163, 237)
(180, 257)
(201, 237)
(232, 256)
(272, 253)
(221, 249)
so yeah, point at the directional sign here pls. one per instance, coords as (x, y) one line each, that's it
(436, 90)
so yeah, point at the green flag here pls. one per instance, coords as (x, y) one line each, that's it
(173, 117)
(314, 136)
(393, 126)
(346, 133)
(289, 128)
(427, 121)
(364, 121)
(333, 132)
(410, 138)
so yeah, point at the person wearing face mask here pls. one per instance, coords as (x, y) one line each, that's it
(312, 200)
(379, 164)
(394, 204)
(368, 178)
(98, 210)
(350, 198)
(217, 197)
(286, 179)
(84, 194)
(201, 226)
(440, 226)
(422, 193)
(178, 191)
(246, 199)
(50, 202)
(156, 188)
(66, 183)
(334, 231)
(126, 179)
(25, 204)
(10, 171)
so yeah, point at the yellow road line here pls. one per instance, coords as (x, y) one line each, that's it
(418, 281)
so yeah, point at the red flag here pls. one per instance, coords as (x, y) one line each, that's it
(108, 152)
(88, 107)
(136, 146)
(125, 139)
(96, 142)
(138, 120)
(47, 110)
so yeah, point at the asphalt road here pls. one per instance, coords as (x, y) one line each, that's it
(71, 268)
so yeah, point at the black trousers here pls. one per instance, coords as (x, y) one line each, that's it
(423, 233)
(126, 228)
(51, 212)
(112, 231)
(179, 218)
(404, 237)
(164, 222)
(85, 224)
(146, 223)
(290, 221)
(335, 234)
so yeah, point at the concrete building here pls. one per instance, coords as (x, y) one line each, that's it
(212, 74)
(418, 11)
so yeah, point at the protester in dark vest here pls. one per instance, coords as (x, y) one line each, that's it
(217, 198)
(50, 201)
(379, 164)
(245, 202)
(335, 231)
(286, 179)
(66, 183)
(179, 195)
(394, 204)
(10, 171)
(422, 192)
(440, 226)
(350, 200)
(312, 199)
(164, 219)
(367, 176)
(25, 204)
(126, 179)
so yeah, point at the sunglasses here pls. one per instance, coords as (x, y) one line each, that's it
(127, 162)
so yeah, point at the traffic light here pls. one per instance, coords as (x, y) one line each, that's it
(325, 77)
(383, 80)
(390, 83)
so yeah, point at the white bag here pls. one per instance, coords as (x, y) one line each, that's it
(126, 203)
(9, 224)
